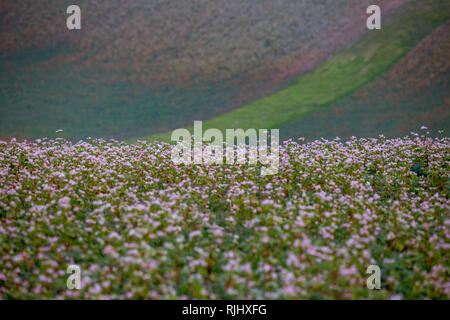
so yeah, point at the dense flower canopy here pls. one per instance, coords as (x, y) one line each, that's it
(140, 226)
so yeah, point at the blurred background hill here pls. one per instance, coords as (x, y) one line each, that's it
(138, 68)
(412, 93)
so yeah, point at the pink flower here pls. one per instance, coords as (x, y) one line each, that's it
(344, 272)
(64, 202)
(109, 250)
(267, 267)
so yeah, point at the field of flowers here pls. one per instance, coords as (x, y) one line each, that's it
(141, 227)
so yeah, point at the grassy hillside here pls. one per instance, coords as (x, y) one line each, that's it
(343, 74)
(141, 67)
(414, 92)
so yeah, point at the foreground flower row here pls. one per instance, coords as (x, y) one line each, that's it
(141, 227)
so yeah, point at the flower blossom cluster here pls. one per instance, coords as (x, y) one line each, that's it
(140, 226)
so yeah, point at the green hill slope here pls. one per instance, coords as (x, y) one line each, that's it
(413, 93)
(141, 67)
(343, 74)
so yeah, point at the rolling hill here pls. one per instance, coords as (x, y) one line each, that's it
(139, 68)
(414, 92)
(342, 75)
